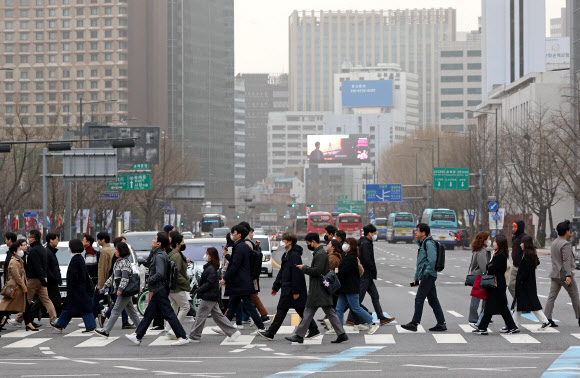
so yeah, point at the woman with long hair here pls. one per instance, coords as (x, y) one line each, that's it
(526, 292)
(496, 303)
(480, 256)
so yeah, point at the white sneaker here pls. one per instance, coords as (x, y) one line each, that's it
(473, 325)
(170, 335)
(181, 341)
(218, 330)
(82, 325)
(373, 328)
(133, 338)
(360, 327)
(14, 323)
(327, 324)
(331, 332)
(233, 337)
(256, 331)
(240, 327)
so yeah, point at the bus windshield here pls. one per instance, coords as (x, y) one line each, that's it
(301, 225)
(349, 219)
(442, 217)
(319, 220)
(208, 223)
(381, 222)
(404, 218)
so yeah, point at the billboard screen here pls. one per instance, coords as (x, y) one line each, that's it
(345, 149)
(367, 93)
(558, 50)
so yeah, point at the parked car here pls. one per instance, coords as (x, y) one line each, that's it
(187, 235)
(220, 232)
(140, 241)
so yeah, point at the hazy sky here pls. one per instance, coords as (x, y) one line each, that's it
(261, 26)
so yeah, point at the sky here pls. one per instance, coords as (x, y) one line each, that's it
(261, 26)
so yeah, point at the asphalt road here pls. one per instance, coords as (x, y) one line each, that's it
(455, 353)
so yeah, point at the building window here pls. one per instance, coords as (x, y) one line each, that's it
(474, 91)
(473, 66)
(452, 54)
(473, 102)
(473, 53)
(452, 115)
(452, 66)
(452, 79)
(452, 103)
(474, 79)
(451, 91)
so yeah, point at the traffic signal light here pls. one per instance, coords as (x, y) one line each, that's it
(182, 223)
(311, 205)
(284, 217)
(237, 216)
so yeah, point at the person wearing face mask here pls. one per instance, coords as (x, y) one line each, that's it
(16, 278)
(480, 256)
(209, 295)
(290, 280)
(330, 233)
(367, 280)
(179, 298)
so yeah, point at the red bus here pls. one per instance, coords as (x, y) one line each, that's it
(318, 221)
(351, 224)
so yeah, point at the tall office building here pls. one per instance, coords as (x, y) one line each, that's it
(560, 27)
(513, 40)
(264, 94)
(239, 139)
(320, 42)
(459, 81)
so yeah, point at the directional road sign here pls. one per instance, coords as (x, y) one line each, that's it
(169, 211)
(30, 214)
(493, 206)
(342, 198)
(451, 178)
(138, 181)
(384, 192)
(110, 196)
(141, 166)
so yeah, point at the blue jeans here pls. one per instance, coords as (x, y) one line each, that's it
(124, 317)
(65, 318)
(427, 290)
(96, 302)
(351, 300)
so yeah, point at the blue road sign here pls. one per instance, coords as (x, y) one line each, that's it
(493, 206)
(30, 214)
(384, 192)
(169, 211)
(372, 216)
(496, 217)
(111, 196)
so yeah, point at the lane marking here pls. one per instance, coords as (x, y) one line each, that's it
(398, 285)
(456, 314)
(567, 364)
(412, 293)
(242, 340)
(379, 339)
(19, 334)
(520, 339)
(468, 329)
(96, 342)
(449, 338)
(27, 343)
(425, 366)
(534, 328)
(129, 368)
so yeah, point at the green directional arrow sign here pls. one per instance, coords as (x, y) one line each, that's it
(137, 181)
(141, 166)
(451, 178)
(342, 198)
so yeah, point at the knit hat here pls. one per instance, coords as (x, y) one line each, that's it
(168, 228)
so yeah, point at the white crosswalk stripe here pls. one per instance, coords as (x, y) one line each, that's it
(95, 342)
(449, 338)
(520, 338)
(27, 343)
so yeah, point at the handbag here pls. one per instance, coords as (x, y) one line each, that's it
(8, 292)
(477, 291)
(133, 287)
(470, 278)
(330, 282)
(488, 281)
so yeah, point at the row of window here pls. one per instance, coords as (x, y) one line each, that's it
(460, 79)
(447, 103)
(459, 91)
(39, 36)
(9, 25)
(459, 53)
(23, 98)
(66, 58)
(66, 12)
(65, 73)
(67, 85)
(66, 46)
(459, 66)
(40, 109)
(39, 3)
(52, 120)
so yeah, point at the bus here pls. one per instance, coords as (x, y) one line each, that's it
(381, 225)
(211, 221)
(401, 227)
(351, 224)
(443, 224)
(301, 227)
(318, 221)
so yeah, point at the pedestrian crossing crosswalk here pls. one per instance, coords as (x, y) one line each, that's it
(386, 335)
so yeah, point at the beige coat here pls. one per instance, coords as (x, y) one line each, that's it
(105, 265)
(17, 278)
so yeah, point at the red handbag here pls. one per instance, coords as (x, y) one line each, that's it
(477, 291)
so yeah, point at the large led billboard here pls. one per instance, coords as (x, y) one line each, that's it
(344, 149)
(367, 93)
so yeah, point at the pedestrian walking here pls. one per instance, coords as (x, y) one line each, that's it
(518, 231)
(104, 263)
(91, 259)
(318, 297)
(79, 289)
(526, 291)
(291, 283)
(117, 283)
(480, 256)
(425, 277)
(341, 237)
(53, 277)
(9, 238)
(562, 274)
(496, 302)
(227, 253)
(15, 278)
(36, 266)
(179, 298)
(350, 280)
(209, 295)
(330, 233)
(159, 287)
(113, 295)
(334, 250)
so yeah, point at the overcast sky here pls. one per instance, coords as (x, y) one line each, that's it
(261, 26)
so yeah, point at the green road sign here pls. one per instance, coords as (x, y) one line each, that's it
(342, 198)
(351, 202)
(357, 207)
(141, 166)
(137, 181)
(451, 178)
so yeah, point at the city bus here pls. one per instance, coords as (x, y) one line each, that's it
(443, 224)
(381, 225)
(318, 221)
(401, 227)
(301, 227)
(351, 224)
(211, 221)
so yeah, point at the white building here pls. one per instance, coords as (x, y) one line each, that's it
(291, 187)
(513, 40)
(239, 139)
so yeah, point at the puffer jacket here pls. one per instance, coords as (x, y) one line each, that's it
(209, 289)
(426, 258)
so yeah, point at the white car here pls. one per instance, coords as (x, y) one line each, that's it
(267, 254)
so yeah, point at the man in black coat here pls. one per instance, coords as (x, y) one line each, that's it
(239, 277)
(518, 231)
(367, 280)
(53, 277)
(291, 281)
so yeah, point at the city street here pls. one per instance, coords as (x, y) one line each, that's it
(390, 352)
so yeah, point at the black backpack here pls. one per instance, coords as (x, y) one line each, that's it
(172, 276)
(440, 262)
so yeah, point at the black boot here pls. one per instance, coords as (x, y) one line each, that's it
(296, 339)
(340, 339)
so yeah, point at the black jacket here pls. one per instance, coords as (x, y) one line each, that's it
(348, 275)
(79, 287)
(517, 252)
(526, 291)
(6, 262)
(239, 275)
(52, 268)
(496, 298)
(36, 262)
(290, 280)
(209, 289)
(158, 270)
(366, 253)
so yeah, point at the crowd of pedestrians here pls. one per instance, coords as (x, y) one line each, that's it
(229, 285)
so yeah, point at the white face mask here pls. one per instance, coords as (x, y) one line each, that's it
(489, 243)
(282, 244)
(375, 237)
(206, 258)
(20, 253)
(345, 247)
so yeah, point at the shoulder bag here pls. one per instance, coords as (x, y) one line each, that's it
(331, 282)
(133, 287)
(470, 278)
(488, 281)
(8, 291)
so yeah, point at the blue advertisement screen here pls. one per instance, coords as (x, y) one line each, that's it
(367, 93)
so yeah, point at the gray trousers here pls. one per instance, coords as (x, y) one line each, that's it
(309, 315)
(572, 290)
(474, 308)
(122, 303)
(204, 309)
(512, 283)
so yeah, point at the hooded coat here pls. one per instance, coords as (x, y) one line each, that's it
(290, 280)
(517, 252)
(526, 290)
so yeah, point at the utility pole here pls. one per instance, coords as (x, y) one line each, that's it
(480, 204)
